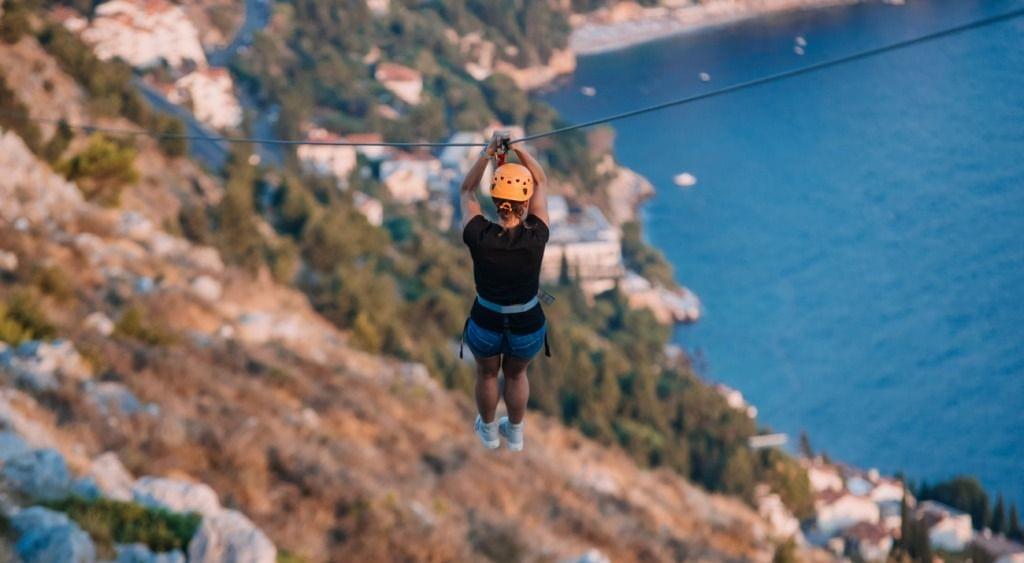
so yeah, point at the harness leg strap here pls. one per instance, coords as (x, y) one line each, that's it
(462, 339)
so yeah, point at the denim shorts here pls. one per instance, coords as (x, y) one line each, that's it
(487, 343)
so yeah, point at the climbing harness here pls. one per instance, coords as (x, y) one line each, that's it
(504, 311)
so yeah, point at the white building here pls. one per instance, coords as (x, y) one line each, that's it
(371, 208)
(379, 7)
(734, 398)
(823, 477)
(589, 244)
(871, 542)
(668, 305)
(334, 160)
(404, 82)
(144, 32)
(783, 524)
(839, 510)
(999, 549)
(948, 528)
(70, 19)
(891, 511)
(211, 92)
(373, 153)
(460, 159)
(409, 176)
(887, 490)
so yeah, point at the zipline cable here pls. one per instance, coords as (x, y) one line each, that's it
(984, 22)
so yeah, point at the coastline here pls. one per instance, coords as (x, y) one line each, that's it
(629, 24)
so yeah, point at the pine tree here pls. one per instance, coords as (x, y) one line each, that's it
(998, 516)
(1013, 530)
(564, 279)
(805, 446)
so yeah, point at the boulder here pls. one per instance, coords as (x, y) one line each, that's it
(8, 261)
(11, 445)
(38, 365)
(86, 488)
(46, 536)
(177, 496)
(112, 479)
(206, 288)
(112, 397)
(230, 537)
(590, 556)
(144, 285)
(40, 474)
(140, 553)
(135, 226)
(99, 323)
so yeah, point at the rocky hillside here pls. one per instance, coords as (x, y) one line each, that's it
(186, 370)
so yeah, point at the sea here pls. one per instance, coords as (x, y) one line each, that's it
(856, 235)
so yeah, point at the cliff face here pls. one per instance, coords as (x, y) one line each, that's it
(336, 454)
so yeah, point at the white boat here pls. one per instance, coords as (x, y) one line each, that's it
(798, 50)
(685, 180)
(800, 41)
(704, 77)
(588, 91)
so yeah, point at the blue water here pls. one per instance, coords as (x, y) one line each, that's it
(857, 235)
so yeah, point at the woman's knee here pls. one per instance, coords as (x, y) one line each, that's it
(488, 367)
(514, 368)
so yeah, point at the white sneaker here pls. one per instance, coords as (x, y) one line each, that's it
(513, 434)
(488, 433)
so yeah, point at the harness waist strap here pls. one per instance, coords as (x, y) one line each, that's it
(507, 309)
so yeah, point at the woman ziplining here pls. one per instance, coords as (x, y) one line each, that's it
(506, 326)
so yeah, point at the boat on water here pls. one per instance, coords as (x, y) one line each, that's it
(798, 50)
(800, 40)
(589, 91)
(685, 180)
(704, 77)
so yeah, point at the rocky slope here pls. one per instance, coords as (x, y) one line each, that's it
(329, 450)
(173, 381)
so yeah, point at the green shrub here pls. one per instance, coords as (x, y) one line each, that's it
(101, 170)
(53, 281)
(22, 318)
(15, 22)
(110, 521)
(134, 324)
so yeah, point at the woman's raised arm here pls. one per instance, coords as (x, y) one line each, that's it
(468, 203)
(539, 200)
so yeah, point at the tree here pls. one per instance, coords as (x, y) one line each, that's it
(101, 170)
(238, 236)
(1013, 530)
(805, 445)
(15, 21)
(998, 517)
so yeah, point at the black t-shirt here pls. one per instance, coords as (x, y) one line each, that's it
(506, 268)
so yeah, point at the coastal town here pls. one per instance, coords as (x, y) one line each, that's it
(858, 514)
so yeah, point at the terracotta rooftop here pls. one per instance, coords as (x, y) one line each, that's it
(397, 72)
(867, 532)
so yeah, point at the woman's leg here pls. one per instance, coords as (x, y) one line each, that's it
(487, 387)
(517, 387)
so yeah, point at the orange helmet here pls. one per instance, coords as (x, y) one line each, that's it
(513, 182)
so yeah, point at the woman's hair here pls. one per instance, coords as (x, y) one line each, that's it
(508, 209)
